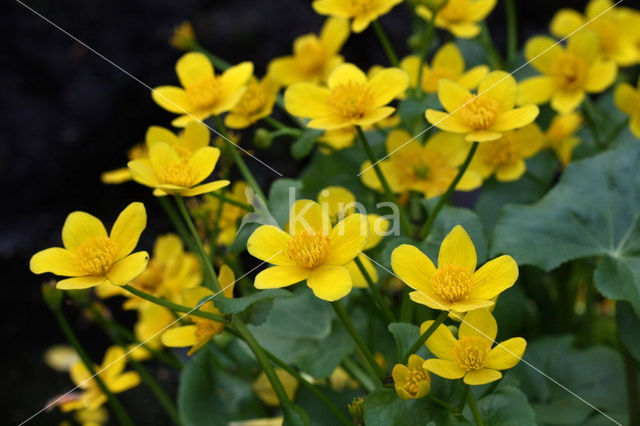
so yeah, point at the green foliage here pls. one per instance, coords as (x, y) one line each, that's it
(506, 406)
(239, 304)
(629, 328)
(304, 144)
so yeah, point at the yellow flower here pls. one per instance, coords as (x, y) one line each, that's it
(123, 174)
(615, 28)
(313, 57)
(460, 17)
(412, 381)
(428, 168)
(263, 389)
(566, 73)
(183, 38)
(152, 321)
(111, 373)
(267, 421)
(447, 63)
(361, 11)
(202, 330)
(340, 380)
(312, 250)
(339, 203)
(203, 93)
(561, 135)
(485, 116)
(171, 170)
(207, 213)
(344, 137)
(505, 157)
(628, 101)
(256, 103)
(471, 356)
(97, 417)
(455, 285)
(350, 99)
(61, 357)
(90, 256)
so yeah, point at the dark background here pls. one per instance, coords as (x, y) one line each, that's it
(68, 115)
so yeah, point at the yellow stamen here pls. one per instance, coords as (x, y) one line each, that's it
(470, 352)
(253, 99)
(206, 329)
(96, 255)
(203, 94)
(480, 112)
(309, 54)
(361, 7)
(308, 248)
(179, 174)
(350, 100)
(569, 72)
(501, 152)
(452, 282)
(415, 377)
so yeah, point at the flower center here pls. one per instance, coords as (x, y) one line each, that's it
(452, 282)
(470, 352)
(178, 174)
(96, 255)
(455, 11)
(361, 7)
(203, 94)
(480, 112)
(416, 376)
(569, 72)
(308, 54)
(253, 99)
(501, 152)
(350, 100)
(206, 329)
(308, 248)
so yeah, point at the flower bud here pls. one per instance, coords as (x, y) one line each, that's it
(262, 138)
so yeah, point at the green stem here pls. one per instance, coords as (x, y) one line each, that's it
(424, 336)
(174, 306)
(384, 306)
(491, 388)
(495, 59)
(206, 263)
(404, 220)
(174, 217)
(116, 406)
(592, 120)
(426, 42)
(474, 409)
(589, 312)
(242, 166)
(424, 232)
(631, 374)
(512, 31)
(465, 391)
(442, 403)
(219, 64)
(344, 317)
(276, 124)
(406, 306)
(386, 43)
(228, 200)
(354, 371)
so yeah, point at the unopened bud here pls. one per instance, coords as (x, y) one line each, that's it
(262, 138)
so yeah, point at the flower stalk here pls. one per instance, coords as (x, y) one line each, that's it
(424, 337)
(512, 31)
(386, 43)
(474, 408)
(375, 291)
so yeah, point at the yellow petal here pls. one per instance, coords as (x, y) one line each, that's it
(506, 354)
(387, 84)
(162, 155)
(346, 73)
(449, 58)
(197, 297)
(180, 337)
(444, 368)
(600, 76)
(332, 122)
(270, 244)
(483, 136)
(116, 176)
(397, 139)
(195, 136)
(190, 116)
(542, 52)
(227, 280)
(428, 297)
(470, 304)
(358, 280)
(627, 99)
(400, 373)
(142, 172)
(566, 102)
(128, 227)
(347, 239)
(204, 161)
(565, 22)
(481, 377)
(447, 122)
(335, 32)
(79, 227)
(494, 277)
(512, 171)
(499, 86)
(173, 99)
(80, 374)
(378, 227)
(458, 249)
(535, 90)
(329, 283)
(56, 260)
(124, 381)
(307, 214)
(205, 188)
(79, 283)
(452, 96)
(411, 65)
(280, 276)
(472, 78)
(286, 72)
(193, 67)
(584, 44)
(412, 266)
(372, 116)
(306, 100)
(465, 29)
(339, 201)
(441, 342)
(125, 270)
(479, 323)
(516, 118)
(479, 9)
(160, 134)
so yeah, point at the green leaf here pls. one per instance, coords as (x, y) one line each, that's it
(405, 336)
(592, 211)
(282, 194)
(239, 304)
(507, 406)
(629, 328)
(304, 144)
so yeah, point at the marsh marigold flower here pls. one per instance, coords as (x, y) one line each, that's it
(350, 99)
(447, 63)
(455, 285)
(627, 99)
(460, 17)
(561, 135)
(91, 256)
(505, 157)
(471, 357)
(567, 74)
(428, 168)
(203, 93)
(616, 28)
(256, 103)
(314, 57)
(152, 321)
(485, 116)
(312, 250)
(411, 381)
(361, 11)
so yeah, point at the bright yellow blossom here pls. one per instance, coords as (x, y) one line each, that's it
(350, 99)
(314, 57)
(561, 135)
(455, 285)
(339, 203)
(505, 157)
(460, 17)
(614, 26)
(470, 356)
(152, 321)
(90, 256)
(411, 381)
(111, 373)
(485, 116)
(361, 11)
(447, 63)
(627, 99)
(202, 330)
(566, 73)
(203, 93)
(263, 389)
(256, 103)
(345, 137)
(312, 250)
(428, 168)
